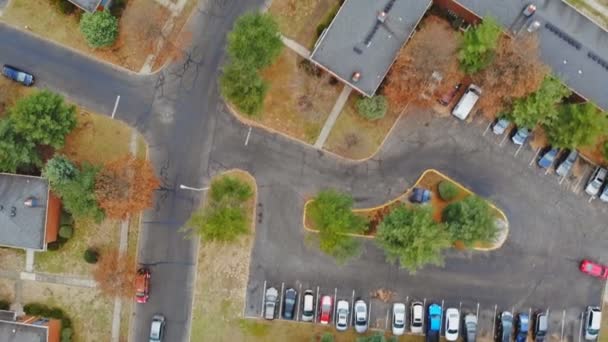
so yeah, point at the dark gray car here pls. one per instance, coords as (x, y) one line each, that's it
(470, 325)
(291, 297)
(506, 326)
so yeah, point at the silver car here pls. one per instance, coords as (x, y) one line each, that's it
(157, 328)
(416, 317)
(593, 322)
(470, 326)
(595, 182)
(342, 315)
(564, 168)
(360, 316)
(270, 302)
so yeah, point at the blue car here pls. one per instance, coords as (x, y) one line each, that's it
(434, 323)
(522, 327)
(520, 136)
(548, 157)
(18, 75)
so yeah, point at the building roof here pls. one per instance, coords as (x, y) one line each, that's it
(22, 226)
(357, 40)
(574, 46)
(19, 332)
(87, 5)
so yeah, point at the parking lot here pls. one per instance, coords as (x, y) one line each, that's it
(564, 324)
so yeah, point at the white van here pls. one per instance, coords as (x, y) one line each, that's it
(309, 307)
(467, 102)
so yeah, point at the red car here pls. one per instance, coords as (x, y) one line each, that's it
(326, 304)
(594, 269)
(142, 285)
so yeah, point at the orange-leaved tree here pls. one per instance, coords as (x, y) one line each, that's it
(115, 274)
(125, 186)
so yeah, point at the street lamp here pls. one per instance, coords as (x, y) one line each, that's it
(182, 186)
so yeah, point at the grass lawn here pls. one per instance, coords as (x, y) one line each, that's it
(12, 259)
(298, 19)
(355, 137)
(139, 28)
(297, 103)
(599, 17)
(90, 312)
(7, 289)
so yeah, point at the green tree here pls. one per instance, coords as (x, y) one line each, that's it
(43, 118)
(412, 237)
(230, 190)
(332, 214)
(470, 220)
(447, 190)
(15, 150)
(478, 45)
(59, 170)
(78, 194)
(539, 107)
(327, 337)
(372, 108)
(255, 40)
(99, 28)
(577, 125)
(244, 87)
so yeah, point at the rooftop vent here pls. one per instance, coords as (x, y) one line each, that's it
(31, 202)
(356, 76)
(381, 16)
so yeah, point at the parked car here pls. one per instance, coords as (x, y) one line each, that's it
(157, 328)
(326, 304)
(289, 306)
(529, 10)
(18, 75)
(564, 168)
(449, 96)
(533, 26)
(270, 302)
(342, 315)
(520, 136)
(506, 325)
(434, 323)
(452, 324)
(547, 158)
(360, 316)
(420, 195)
(466, 103)
(522, 327)
(594, 269)
(398, 319)
(500, 126)
(470, 325)
(308, 307)
(541, 326)
(593, 320)
(595, 181)
(142, 285)
(416, 317)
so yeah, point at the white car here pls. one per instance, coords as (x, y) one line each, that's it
(452, 324)
(398, 319)
(416, 317)
(342, 315)
(593, 321)
(595, 182)
(360, 316)
(157, 328)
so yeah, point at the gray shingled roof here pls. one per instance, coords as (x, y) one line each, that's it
(19, 332)
(343, 49)
(26, 228)
(87, 5)
(582, 70)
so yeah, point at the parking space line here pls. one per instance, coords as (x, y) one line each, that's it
(561, 180)
(518, 149)
(352, 307)
(487, 129)
(369, 312)
(317, 307)
(494, 321)
(504, 138)
(535, 156)
(386, 320)
(424, 317)
(441, 319)
(281, 300)
(333, 320)
(580, 327)
(263, 299)
(477, 312)
(299, 301)
(460, 307)
(563, 319)
(591, 198)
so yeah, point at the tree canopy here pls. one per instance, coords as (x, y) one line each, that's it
(411, 237)
(115, 274)
(244, 87)
(255, 40)
(478, 45)
(43, 118)
(539, 107)
(15, 150)
(577, 125)
(470, 220)
(59, 171)
(332, 214)
(372, 108)
(99, 28)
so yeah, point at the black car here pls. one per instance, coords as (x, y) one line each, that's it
(18, 75)
(291, 298)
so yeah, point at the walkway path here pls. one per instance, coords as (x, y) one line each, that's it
(296, 47)
(58, 279)
(333, 116)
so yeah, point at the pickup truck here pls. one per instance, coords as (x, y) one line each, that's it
(434, 323)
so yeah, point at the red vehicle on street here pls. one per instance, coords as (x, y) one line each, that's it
(326, 304)
(594, 269)
(142, 285)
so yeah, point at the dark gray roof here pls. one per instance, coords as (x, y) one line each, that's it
(87, 5)
(356, 41)
(6, 315)
(21, 226)
(19, 332)
(565, 35)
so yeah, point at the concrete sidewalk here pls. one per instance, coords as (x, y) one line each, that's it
(333, 116)
(296, 47)
(58, 279)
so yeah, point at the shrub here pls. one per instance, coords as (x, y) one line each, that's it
(66, 7)
(231, 190)
(66, 334)
(447, 190)
(99, 28)
(53, 246)
(91, 256)
(470, 220)
(327, 20)
(243, 86)
(255, 40)
(66, 218)
(35, 309)
(54, 313)
(372, 108)
(66, 232)
(4, 304)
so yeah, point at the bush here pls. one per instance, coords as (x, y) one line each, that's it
(470, 220)
(99, 28)
(372, 108)
(255, 40)
(53, 246)
(327, 20)
(447, 190)
(55, 313)
(4, 304)
(66, 218)
(231, 190)
(66, 7)
(243, 86)
(35, 309)
(66, 334)
(66, 232)
(91, 256)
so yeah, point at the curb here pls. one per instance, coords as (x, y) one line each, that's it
(502, 215)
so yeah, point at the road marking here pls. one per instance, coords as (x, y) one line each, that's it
(563, 319)
(424, 317)
(535, 156)
(477, 312)
(281, 300)
(494, 322)
(386, 321)
(518, 149)
(299, 301)
(561, 180)
(248, 135)
(317, 301)
(352, 307)
(504, 138)
(333, 318)
(441, 319)
(580, 328)
(459, 306)
(115, 106)
(591, 198)
(263, 299)
(369, 312)
(487, 129)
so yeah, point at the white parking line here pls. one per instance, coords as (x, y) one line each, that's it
(535, 156)
(333, 317)
(580, 327)
(263, 299)
(352, 307)
(502, 142)
(316, 305)
(487, 129)
(494, 321)
(281, 300)
(424, 317)
(591, 198)
(248, 135)
(460, 307)
(369, 311)
(561, 180)
(563, 319)
(518, 149)
(115, 106)
(477, 312)
(299, 301)
(388, 311)
(441, 319)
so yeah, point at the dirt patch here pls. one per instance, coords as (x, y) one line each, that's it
(12, 259)
(7, 289)
(90, 312)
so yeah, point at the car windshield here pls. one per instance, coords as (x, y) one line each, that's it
(20, 76)
(452, 331)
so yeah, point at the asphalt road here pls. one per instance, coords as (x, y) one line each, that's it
(192, 137)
